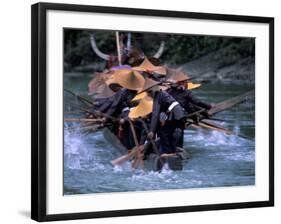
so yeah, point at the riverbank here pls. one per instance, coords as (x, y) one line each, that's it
(212, 68)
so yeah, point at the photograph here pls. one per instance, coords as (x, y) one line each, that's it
(152, 111)
(148, 111)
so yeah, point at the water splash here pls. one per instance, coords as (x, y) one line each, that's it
(75, 149)
(125, 167)
(216, 138)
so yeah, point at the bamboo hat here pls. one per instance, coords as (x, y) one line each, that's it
(171, 72)
(149, 83)
(143, 109)
(147, 66)
(140, 96)
(111, 82)
(191, 85)
(98, 88)
(127, 78)
(178, 76)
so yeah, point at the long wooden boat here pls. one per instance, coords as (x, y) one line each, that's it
(152, 161)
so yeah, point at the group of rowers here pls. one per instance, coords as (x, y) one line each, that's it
(152, 95)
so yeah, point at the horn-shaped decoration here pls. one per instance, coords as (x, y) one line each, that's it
(160, 50)
(96, 50)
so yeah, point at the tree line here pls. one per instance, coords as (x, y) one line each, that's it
(179, 48)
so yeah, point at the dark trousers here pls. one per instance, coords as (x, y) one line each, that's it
(166, 137)
(127, 138)
(171, 136)
(178, 137)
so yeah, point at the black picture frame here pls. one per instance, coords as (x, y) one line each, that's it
(39, 123)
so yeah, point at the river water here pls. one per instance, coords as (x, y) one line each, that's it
(217, 160)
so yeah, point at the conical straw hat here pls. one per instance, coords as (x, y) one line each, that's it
(98, 88)
(128, 79)
(147, 66)
(172, 71)
(191, 85)
(110, 80)
(140, 96)
(178, 76)
(143, 109)
(149, 83)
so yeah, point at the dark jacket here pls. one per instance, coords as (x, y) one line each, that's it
(102, 104)
(122, 99)
(187, 100)
(161, 103)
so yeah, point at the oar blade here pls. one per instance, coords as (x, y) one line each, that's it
(231, 102)
(124, 158)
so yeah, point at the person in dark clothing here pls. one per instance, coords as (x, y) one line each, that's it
(166, 116)
(186, 99)
(184, 96)
(131, 81)
(120, 108)
(101, 93)
(102, 104)
(141, 116)
(121, 103)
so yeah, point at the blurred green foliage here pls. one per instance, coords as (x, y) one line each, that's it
(179, 49)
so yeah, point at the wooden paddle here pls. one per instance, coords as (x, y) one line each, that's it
(83, 120)
(93, 112)
(216, 127)
(126, 157)
(213, 127)
(222, 129)
(83, 99)
(230, 102)
(154, 146)
(135, 153)
(86, 128)
(226, 104)
(139, 156)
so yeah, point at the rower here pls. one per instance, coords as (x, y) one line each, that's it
(131, 82)
(167, 115)
(101, 93)
(142, 113)
(180, 91)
